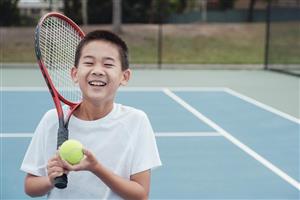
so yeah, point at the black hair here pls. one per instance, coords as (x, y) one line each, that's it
(108, 37)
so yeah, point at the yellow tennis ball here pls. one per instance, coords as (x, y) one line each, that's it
(71, 151)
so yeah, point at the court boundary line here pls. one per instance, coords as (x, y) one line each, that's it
(23, 89)
(240, 96)
(262, 105)
(187, 134)
(233, 140)
(157, 134)
(16, 135)
(127, 88)
(244, 98)
(182, 89)
(200, 116)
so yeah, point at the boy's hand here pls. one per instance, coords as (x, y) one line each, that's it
(88, 163)
(55, 168)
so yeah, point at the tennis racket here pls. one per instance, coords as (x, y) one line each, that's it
(56, 39)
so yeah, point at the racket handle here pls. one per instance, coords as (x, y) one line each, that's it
(61, 182)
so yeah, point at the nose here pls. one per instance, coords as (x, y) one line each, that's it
(98, 70)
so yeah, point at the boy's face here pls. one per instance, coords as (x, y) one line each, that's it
(99, 72)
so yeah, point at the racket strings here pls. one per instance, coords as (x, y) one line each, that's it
(58, 42)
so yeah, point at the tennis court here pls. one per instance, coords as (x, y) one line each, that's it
(227, 124)
(220, 134)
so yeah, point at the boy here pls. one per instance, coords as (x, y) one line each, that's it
(120, 147)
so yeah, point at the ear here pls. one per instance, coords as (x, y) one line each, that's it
(74, 71)
(126, 76)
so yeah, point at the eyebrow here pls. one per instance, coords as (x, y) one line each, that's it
(91, 57)
(109, 58)
(105, 58)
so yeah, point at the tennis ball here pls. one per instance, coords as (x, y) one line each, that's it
(71, 151)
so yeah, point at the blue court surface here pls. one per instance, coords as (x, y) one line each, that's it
(214, 143)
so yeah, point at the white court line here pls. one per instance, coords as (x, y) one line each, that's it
(242, 146)
(197, 89)
(137, 89)
(178, 89)
(128, 88)
(187, 134)
(157, 134)
(16, 135)
(263, 106)
(233, 140)
(239, 95)
(24, 89)
(37, 89)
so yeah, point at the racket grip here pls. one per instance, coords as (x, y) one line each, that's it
(61, 182)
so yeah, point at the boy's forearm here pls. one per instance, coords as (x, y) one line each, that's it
(37, 185)
(127, 189)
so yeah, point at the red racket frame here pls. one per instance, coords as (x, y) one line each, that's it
(60, 182)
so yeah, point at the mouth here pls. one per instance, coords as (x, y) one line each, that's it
(97, 83)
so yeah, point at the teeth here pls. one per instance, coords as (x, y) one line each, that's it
(97, 83)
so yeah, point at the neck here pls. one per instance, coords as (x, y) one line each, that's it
(90, 112)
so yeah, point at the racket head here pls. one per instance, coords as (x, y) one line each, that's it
(56, 40)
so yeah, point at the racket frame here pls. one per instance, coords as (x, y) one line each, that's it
(63, 133)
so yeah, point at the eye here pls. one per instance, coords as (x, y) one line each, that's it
(88, 63)
(109, 65)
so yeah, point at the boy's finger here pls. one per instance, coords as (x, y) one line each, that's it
(56, 162)
(55, 169)
(55, 174)
(66, 165)
(77, 167)
(87, 153)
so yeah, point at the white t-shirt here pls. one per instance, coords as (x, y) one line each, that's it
(123, 141)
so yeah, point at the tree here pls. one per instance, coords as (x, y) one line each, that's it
(117, 16)
(9, 13)
(99, 11)
(250, 10)
(72, 9)
(84, 11)
(226, 4)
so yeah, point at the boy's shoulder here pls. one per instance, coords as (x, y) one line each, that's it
(128, 111)
(120, 112)
(50, 113)
(50, 116)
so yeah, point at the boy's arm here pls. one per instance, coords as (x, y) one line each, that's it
(135, 188)
(41, 185)
(37, 185)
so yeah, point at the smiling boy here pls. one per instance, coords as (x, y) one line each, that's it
(120, 147)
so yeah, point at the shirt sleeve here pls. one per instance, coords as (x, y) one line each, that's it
(145, 155)
(34, 162)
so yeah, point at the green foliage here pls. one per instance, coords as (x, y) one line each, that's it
(9, 13)
(134, 11)
(72, 9)
(138, 11)
(168, 7)
(99, 12)
(226, 4)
